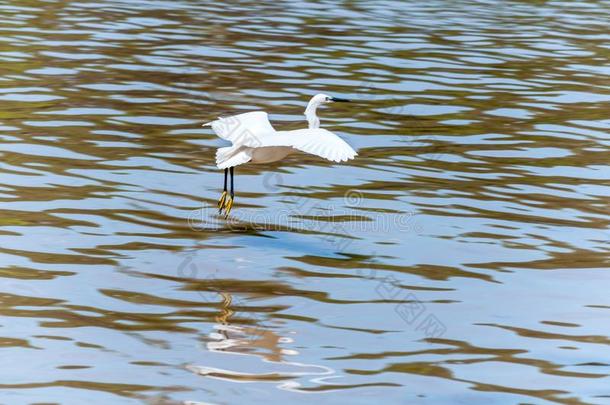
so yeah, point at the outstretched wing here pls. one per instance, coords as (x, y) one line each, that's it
(254, 130)
(317, 141)
(243, 129)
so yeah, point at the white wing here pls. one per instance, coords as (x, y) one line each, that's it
(317, 141)
(254, 130)
(243, 129)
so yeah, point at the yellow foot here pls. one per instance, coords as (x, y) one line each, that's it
(221, 201)
(228, 206)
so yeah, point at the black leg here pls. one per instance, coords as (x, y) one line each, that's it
(232, 189)
(223, 197)
(229, 204)
(226, 172)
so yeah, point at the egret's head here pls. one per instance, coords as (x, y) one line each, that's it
(319, 99)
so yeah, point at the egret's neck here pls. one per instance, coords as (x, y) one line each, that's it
(310, 114)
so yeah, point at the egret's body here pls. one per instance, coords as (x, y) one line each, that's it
(254, 140)
(270, 154)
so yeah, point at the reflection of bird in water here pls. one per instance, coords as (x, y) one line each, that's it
(246, 342)
(226, 311)
(247, 337)
(256, 141)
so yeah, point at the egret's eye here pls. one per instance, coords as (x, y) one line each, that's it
(327, 98)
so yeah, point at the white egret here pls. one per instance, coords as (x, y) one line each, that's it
(254, 140)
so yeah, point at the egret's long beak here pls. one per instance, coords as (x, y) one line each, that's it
(339, 100)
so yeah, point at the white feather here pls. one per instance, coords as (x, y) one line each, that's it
(318, 142)
(243, 128)
(239, 156)
(255, 140)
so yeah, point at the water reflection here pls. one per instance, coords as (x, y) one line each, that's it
(479, 200)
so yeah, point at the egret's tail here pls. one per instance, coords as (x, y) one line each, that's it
(223, 154)
(232, 156)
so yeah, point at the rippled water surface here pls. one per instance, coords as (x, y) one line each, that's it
(462, 257)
